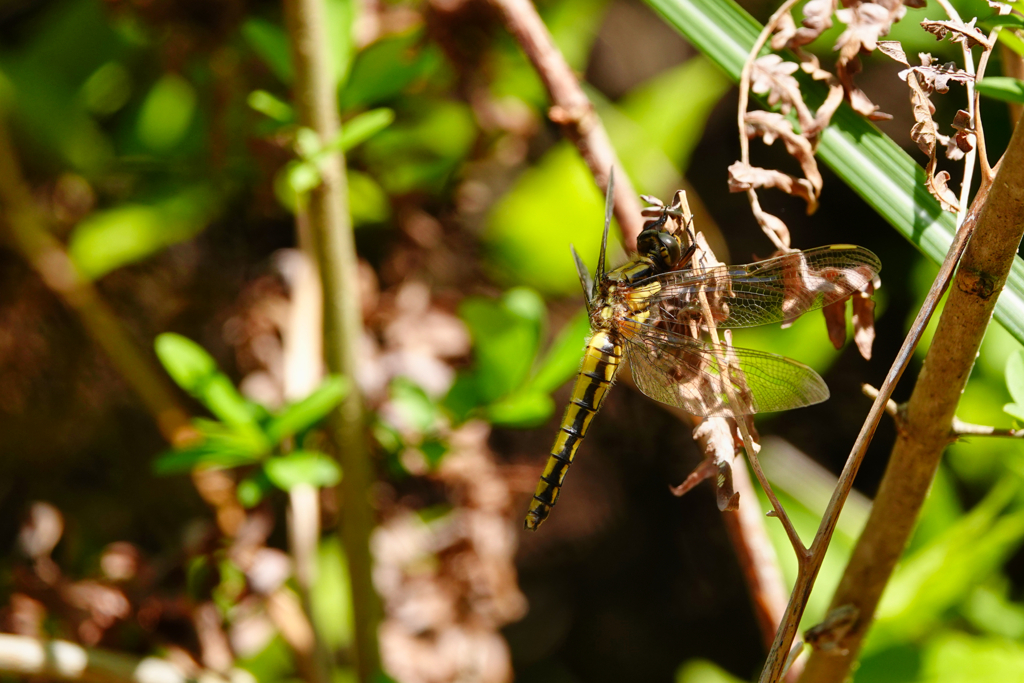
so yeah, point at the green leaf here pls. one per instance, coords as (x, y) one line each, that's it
(269, 105)
(1002, 88)
(433, 451)
(304, 414)
(166, 113)
(195, 371)
(332, 596)
(1013, 41)
(562, 360)
(302, 467)
(942, 574)
(386, 68)
(1011, 20)
(951, 656)
(668, 126)
(216, 455)
(361, 128)
(528, 230)
(506, 336)
(523, 409)
(367, 200)
(874, 166)
(1015, 376)
(251, 490)
(107, 240)
(270, 43)
(414, 408)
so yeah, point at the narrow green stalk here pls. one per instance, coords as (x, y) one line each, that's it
(333, 246)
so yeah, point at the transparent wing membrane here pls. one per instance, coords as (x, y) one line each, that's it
(776, 290)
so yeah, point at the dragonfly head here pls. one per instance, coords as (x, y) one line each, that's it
(660, 245)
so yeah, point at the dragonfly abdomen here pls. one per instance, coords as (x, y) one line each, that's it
(601, 361)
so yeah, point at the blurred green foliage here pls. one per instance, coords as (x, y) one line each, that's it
(245, 433)
(100, 94)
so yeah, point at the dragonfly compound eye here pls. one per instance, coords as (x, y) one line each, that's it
(660, 246)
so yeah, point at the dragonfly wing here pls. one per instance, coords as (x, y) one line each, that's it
(686, 373)
(586, 280)
(778, 289)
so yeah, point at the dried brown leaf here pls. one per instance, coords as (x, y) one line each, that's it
(894, 50)
(1000, 7)
(817, 19)
(958, 32)
(864, 323)
(857, 98)
(828, 108)
(937, 77)
(938, 185)
(866, 22)
(743, 177)
(771, 125)
(773, 77)
(835, 323)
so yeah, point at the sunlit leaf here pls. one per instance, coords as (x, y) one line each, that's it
(195, 371)
(332, 596)
(166, 113)
(953, 656)
(251, 490)
(361, 128)
(304, 414)
(506, 336)
(413, 406)
(367, 200)
(1002, 88)
(941, 574)
(107, 240)
(1015, 376)
(552, 204)
(562, 359)
(302, 467)
(218, 455)
(521, 409)
(269, 105)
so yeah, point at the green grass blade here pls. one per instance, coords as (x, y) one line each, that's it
(873, 165)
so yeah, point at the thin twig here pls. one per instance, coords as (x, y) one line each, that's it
(573, 111)
(760, 564)
(973, 109)
(960, 428)
(66, 661)
(806, 577)
(891, 407)
(334, 249)
(32, 238)
(986, 170)
(999, 216)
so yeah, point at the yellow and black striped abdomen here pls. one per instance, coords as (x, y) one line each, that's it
(601, 361)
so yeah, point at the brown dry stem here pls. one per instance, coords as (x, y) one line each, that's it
(928, 419)
(31, 236)
(333, 245)
(572, 111)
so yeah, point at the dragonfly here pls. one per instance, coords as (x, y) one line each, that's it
(650, 312)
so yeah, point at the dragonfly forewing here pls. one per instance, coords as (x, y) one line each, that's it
(780, 289)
